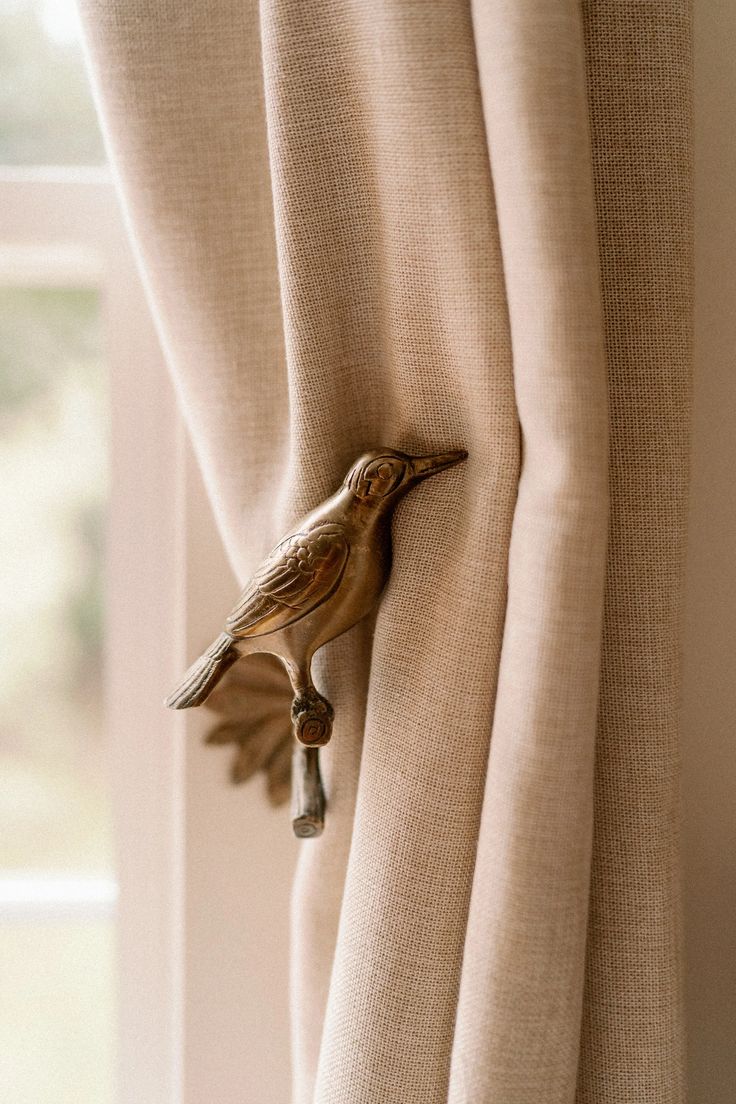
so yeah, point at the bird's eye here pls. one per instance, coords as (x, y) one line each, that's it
(381, 477)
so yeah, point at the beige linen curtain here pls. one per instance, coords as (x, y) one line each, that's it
(433, 224)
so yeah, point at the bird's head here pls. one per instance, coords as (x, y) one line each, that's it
(381, 477)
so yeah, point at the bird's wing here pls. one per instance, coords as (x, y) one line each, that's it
(298, 576)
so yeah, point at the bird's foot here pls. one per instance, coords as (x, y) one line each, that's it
(312, 717)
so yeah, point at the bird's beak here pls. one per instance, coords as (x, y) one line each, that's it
(424, 466)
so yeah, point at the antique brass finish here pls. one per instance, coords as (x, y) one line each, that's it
(318, 582)
(307, 795)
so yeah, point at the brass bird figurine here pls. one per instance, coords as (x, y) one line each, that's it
(318, 582)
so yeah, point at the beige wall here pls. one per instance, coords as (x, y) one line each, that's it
(709, 751)
(239, 858)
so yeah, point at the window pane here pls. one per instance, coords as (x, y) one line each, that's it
(46, 111)
(56, 876)
(56, 1012)
(54, 806)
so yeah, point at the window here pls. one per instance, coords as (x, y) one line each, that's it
(57, 886)
(89, 1008)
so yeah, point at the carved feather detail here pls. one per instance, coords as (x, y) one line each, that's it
(299, 575)
(204, 674)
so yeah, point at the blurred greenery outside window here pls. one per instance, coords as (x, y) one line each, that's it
(57, 987)
(53, 486)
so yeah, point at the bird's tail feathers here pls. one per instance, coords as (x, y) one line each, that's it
(202, 677)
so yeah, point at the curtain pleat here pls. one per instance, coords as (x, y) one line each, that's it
(391, 224)
(518, 1018)
(639, 69)
(396, 330)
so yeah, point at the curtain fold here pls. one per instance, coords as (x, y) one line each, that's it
(525, 943)
(430, 225)
(639, 71)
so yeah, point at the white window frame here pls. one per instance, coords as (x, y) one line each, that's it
(62, 227)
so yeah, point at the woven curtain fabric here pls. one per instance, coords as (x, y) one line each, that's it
(462, 223)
